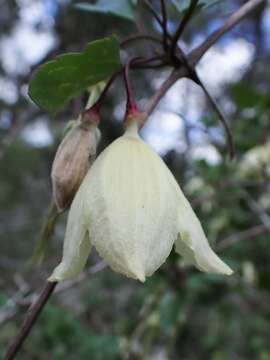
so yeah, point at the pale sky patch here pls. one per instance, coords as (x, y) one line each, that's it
(38, 133)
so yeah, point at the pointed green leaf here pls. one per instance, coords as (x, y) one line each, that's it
(59, 80)
(120, 8)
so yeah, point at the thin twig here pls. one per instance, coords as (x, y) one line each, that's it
(94, 269)
(149, 305)
(257, 209)
(193, 75)
(145, 60)
(125, 42)
(31, 317)
(164, 25)
(139, 21)
(222, 119)
(158, 19)
(16, 129)
(19, 300)
(151, 66)
(251, 233)
(182, 26)
(153, 12)
(233, 20)
(154, 62)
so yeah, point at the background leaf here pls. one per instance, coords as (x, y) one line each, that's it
(56, 82)
(120, 8)
(246, 96)
(169, 308)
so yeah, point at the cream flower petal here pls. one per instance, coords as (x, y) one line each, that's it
(132, 206)
(77, 244)
(192, 243)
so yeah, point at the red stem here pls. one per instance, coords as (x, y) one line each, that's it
(131, 107)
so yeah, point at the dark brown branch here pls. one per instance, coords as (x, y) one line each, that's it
(233, 20)
(183, 25)
(33, 313)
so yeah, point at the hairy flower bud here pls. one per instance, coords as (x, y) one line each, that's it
(132, 210)
(73, 158)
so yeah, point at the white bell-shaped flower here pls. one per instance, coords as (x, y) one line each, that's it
(131, 209)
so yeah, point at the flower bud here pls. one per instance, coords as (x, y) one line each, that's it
(73, 158)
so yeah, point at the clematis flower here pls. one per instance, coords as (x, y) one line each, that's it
(131, 209)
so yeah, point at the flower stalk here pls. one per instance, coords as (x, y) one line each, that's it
(131, 106)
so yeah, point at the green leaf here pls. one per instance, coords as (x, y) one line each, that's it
(183, 5)
(59, 80)
(246, 96)
(120, 8)
(169, 309)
